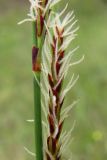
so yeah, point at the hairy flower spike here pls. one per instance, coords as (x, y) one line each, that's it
(60, 34)
(51, 60)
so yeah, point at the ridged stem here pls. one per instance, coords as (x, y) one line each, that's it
(37, 106)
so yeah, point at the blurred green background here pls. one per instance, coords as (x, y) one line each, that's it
(16, 91)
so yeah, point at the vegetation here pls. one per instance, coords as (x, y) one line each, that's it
(16, 100)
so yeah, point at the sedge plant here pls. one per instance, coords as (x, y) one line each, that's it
(52, 34)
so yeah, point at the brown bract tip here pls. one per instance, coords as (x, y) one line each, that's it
(35, 64)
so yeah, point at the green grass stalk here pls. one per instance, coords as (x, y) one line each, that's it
(37, 106)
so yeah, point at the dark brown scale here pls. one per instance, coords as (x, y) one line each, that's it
(53, 49)
(46, 1)
(57, 99)
(60, 129)
(54, 41)
(59, 87)
(58, 150)
(61, 55)
(51, 124)
(61, 103)
(51, 142)
(40, 22)
(58, 158)
(35, 65)
(34, 54)
(57, 111)
(50, 80)
(58, 67)
(61, 40)
(50, 108)
(40, 3)
(47, 156)
(57, 30)
(53, 46)
(55, 93)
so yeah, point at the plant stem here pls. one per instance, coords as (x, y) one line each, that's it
(37, 106)
(38, 126)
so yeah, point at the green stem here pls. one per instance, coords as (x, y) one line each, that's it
(38, 125)
(37, 107)
(34, 33)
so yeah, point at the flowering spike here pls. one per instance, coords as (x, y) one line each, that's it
(59, 36)
(51, 38)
